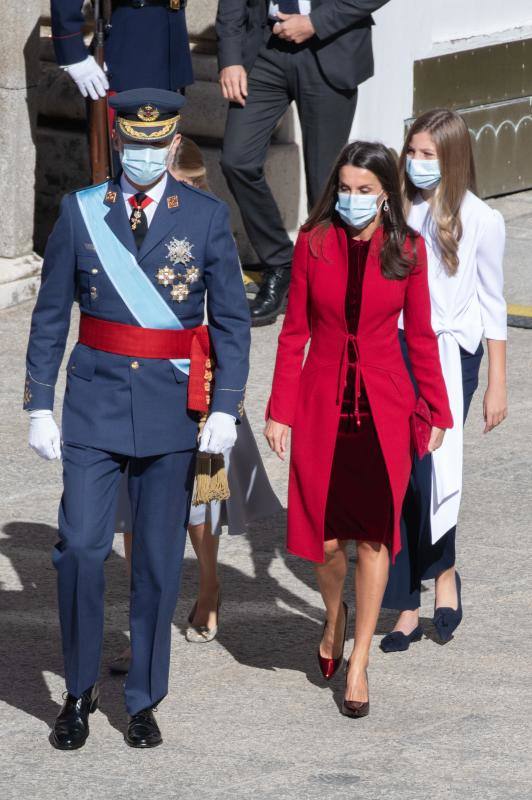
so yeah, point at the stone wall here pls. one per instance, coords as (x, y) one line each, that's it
(19, 71)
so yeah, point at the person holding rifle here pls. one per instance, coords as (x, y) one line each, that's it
(146, 44)
(139, 252)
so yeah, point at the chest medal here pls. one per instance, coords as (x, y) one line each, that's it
(179, 253)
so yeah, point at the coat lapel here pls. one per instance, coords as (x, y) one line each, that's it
(164, 218)
(117, 218)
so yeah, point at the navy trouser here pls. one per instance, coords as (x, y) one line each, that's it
(420, 559)
(160, 490)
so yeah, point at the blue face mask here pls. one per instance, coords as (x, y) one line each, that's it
(144, 165)
(423, 172)
(357, 210)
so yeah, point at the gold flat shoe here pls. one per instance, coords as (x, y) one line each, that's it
(201, 634)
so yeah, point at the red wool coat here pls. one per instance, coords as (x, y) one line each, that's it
(308, 398)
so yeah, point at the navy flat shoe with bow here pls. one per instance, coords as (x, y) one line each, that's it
(397, 641)
(446, 620)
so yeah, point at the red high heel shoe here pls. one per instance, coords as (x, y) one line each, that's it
(355, 708)
(329, 666)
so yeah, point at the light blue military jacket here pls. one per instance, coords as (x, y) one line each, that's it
(136, 406)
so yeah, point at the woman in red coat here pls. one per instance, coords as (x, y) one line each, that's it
(356, 266)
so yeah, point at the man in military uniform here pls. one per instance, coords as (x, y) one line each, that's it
(146, 45)
(139, 253)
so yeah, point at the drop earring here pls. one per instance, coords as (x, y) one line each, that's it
(386, 207)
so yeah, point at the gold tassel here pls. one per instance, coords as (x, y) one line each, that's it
(211, 476)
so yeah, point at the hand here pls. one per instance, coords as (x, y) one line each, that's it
(89, 77)
(44, 436)
(218, 434)
(277, 435)
(295, 28)
(495, 406)
(436, 439)
(234, 83)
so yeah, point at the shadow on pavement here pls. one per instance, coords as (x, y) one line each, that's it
(264, 624)
(31, 642)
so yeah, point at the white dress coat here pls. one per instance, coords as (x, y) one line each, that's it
(465, 307)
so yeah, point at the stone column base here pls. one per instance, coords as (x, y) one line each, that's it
(19, 279)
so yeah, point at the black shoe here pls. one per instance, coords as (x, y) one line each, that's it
(142, 730)
(446, 620)
(397, 641)
(71, 727)
(271, 297)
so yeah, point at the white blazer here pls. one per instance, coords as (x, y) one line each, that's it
(465, 306)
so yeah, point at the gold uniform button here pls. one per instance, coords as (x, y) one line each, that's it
(135, 365)
(94, 292)
(94, 271)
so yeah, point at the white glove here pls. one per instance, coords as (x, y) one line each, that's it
(89, 77)
(219, 433)
(44, 436)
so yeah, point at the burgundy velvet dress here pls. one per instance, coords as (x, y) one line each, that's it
(359, 500)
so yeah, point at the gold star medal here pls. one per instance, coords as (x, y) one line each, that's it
(165, 276)
(192, 274)
(179, 292)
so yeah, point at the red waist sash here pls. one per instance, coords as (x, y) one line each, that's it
(130, 340)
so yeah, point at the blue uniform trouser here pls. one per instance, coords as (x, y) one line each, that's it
(420, 559)
(160, 491)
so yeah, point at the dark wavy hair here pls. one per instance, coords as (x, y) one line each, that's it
(396, 264)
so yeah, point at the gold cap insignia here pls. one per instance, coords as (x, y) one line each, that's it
(110, 197)
(173, 201)
(148, 113)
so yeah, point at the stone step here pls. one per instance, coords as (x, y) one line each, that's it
(19, 279)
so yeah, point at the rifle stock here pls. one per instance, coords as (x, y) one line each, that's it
(99, 138)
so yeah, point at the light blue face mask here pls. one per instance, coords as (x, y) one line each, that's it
(423, 172)
(144, 165)
(357, 210)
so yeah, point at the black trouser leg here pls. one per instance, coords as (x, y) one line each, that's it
(247, 136)
(326, 115)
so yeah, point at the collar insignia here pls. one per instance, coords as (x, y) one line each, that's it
(173, 201)
(110, 197)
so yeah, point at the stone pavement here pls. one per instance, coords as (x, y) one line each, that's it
(247, 716)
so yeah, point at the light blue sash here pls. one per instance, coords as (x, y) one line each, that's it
(123, 270)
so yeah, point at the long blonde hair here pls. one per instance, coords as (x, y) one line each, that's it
(455, 154)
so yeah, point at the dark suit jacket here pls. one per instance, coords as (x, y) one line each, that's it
(342, 43)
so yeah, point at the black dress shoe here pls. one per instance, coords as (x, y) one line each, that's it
(446, 620)
(398, 642)
(271, 297)
(71, 727)
(142, 730)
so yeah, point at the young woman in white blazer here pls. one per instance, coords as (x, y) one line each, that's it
(465, 246)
